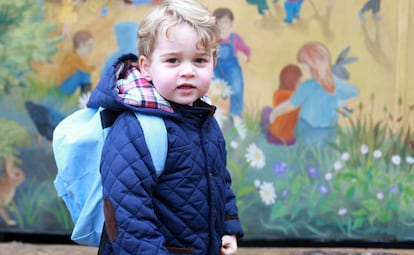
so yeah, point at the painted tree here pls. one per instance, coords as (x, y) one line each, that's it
(12, 136)
(24, 38)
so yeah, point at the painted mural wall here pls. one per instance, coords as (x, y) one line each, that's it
(310, 156)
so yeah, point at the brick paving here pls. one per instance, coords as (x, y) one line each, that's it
(17, 248)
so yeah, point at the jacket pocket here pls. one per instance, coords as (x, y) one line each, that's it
(177, 250)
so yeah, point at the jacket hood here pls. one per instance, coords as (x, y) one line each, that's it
(122, 88)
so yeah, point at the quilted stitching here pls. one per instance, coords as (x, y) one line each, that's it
(183, 189)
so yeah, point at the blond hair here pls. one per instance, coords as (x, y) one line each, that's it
(317, 57)
(175, 12)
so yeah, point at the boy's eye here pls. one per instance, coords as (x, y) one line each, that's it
(201, 60)
(172, 60)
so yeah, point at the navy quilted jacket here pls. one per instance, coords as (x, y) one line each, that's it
(190, 206)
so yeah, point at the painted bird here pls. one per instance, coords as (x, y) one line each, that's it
(45, 119)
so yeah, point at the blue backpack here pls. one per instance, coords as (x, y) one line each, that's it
(77, 145)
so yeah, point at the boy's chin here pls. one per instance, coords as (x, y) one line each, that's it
(187, 101)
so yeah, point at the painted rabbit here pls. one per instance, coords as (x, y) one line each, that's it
(11, 178)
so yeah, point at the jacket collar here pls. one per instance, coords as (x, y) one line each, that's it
(135, 90)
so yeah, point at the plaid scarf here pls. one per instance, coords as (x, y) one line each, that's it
(135, 90)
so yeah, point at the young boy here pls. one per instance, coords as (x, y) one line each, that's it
(190, 208)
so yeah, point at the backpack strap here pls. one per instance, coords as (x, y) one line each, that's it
(155, 134)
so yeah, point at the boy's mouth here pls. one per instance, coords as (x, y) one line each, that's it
(186, 86)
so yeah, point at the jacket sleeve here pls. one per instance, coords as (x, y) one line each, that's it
(127, 178)
(232, 225)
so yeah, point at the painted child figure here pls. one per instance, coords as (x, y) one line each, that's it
(228, 67)
(74, 72)
(190, 208)
(318, 97)
(126, 39)
(292, 10)
(282, 129)
(262, 6)
(68, 15)
(374, 6)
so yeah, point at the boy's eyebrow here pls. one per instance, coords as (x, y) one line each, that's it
(169, 54)
(203, 54)
(175, 53)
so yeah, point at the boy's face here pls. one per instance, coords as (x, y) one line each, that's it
(179, 71)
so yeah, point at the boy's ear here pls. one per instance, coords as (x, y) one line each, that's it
(214, 58)
(144, 67)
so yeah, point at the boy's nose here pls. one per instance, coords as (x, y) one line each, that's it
(187, 69)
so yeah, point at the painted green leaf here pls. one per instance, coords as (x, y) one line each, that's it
(359, 212)
(350, 193)
(371, 204)
(359, 222)
(279, 211)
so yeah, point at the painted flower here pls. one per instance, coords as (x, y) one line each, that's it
(345, 156)
(328, 176)
(394, 189)
(257, 183)
(312, 171)
(323, 189)
(280, 168)
(267, 193)
(227, 91)
(377, 154)
(409, 160)
(216, 87)
(338, 165)
(396, 160)
(364, 149)
(220, 116)
(380, 196)
(83, 100)
(285, 192)
(104, 11)
(240, 126)
(234, 144)
(255, 157)
(342, 211)
(206, 99)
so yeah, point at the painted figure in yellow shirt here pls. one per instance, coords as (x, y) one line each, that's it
(73, 71)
